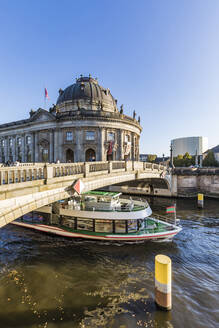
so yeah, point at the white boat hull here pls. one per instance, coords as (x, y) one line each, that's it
(113, 237)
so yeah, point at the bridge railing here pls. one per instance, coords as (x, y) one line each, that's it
(116, 165)
(65, 169)
(37, 171)
(98, 166)
(21, 174)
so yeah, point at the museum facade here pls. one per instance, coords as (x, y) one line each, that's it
(84, 125)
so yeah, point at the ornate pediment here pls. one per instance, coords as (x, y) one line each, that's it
(41, 115)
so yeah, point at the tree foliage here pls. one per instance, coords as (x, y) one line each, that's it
(184, 160)
(151, 158)
(210, 160)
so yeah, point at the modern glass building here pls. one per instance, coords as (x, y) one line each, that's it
(192, 145)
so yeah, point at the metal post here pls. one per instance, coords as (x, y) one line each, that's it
(200, 200)
(163, 284)
(171, 155)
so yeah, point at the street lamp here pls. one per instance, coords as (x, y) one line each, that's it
(171, 155)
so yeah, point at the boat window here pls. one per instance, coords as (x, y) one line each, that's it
(120, 226)
(67, 222)
(85, 224)
(104, 226)
(90, 199)
(132, 225)
(141, 224)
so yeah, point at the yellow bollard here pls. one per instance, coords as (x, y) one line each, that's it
(163, 284)
(200, 200)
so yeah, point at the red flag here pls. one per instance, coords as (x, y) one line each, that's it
(110, 149)
(46, 94)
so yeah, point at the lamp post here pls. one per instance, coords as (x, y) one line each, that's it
(171, 155)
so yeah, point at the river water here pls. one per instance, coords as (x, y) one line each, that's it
(58, 283)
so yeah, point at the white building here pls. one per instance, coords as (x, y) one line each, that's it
(192, 145)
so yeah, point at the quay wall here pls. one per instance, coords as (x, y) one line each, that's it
(189, 182)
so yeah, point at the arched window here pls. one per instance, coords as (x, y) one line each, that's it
(28, 140)
(90, 155)
(19, 141)
(69, 156)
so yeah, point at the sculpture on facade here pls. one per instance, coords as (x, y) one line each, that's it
(134, 114)
(121, 109)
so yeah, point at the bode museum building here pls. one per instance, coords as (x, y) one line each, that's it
(84, 125)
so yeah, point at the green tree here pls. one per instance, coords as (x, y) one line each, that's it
(178, 161)
(151, 158)
(184, 160)
(210, 160)
(187, 159)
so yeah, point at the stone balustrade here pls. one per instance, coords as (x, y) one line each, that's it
(25, 188)
(36, 171)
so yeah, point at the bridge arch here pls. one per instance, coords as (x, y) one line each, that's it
(54, 182)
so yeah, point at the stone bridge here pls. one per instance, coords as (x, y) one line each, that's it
(30, 186)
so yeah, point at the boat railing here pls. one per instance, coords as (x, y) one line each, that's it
(127, 205)
(171, 220)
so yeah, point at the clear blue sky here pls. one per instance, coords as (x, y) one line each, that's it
(160, 58)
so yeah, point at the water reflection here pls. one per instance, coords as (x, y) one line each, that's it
(53, 282)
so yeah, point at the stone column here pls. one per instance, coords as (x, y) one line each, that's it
(137, 145)
(121, 148)
(14, 148)
(101, 139)
(23, 147)
(51, 146)
(6, 149)
(55, 138)
(79, 153)
(132, 147)
(33, 147)
(36, 147)
(60, 145)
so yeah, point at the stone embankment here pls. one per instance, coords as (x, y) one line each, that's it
(187, 182)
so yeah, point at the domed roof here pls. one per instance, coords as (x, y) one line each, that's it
(87, 89)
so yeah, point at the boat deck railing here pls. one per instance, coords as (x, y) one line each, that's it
(126, 206)
(171, 220)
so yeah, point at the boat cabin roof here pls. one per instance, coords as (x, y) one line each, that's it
(97, 193)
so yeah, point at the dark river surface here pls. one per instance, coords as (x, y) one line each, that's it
(59, 283)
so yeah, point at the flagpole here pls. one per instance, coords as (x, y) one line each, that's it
(44, 97)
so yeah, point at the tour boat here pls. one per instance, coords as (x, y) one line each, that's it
(100, 215)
